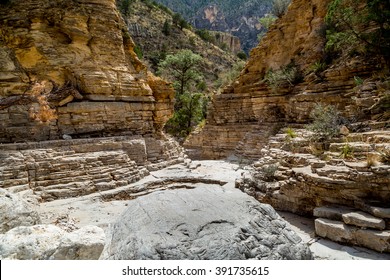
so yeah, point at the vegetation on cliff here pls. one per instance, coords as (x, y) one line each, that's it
(359, 27)
(239, 17)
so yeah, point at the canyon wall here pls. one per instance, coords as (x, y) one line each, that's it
(253, 119)
(109, 111)
(83, 52)
(247, 112)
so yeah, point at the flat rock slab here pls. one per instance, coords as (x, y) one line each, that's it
(207, 222)
(338, 231)
(334, 230)
(376, 240)
(363, 220)
(331, 212)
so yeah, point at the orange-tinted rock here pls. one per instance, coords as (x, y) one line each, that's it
(86, 44)
(256, 110)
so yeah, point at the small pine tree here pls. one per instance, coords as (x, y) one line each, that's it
(166, 28)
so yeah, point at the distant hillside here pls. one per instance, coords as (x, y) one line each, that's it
(155, 35)
(239, 17)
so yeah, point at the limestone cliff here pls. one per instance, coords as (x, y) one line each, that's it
(97, 84)
(247, 112)
(83, 57)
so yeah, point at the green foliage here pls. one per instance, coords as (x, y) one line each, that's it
(267, 20)
(149, 3)
(346, 151)
(183, 69)
(288, 75)
(179, 21)
(318, 67)
(156, 57)
(205, 35)
(279, 7)
(166, 28)
(290, 133)
(242, 55)
(326, 122)
(231, 75)
(359, 26)
(267, 172)
(187, 116)
(164, 8)
(138, 51)
(358, 81)
(125, 6)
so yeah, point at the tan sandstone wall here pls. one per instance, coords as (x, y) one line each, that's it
(247, 112)
(82, 46)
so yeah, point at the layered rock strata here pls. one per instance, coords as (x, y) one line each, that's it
(82, 50)
(77, 59)
(354, 227)
(295, 175)
(247, 112)
(59, 169)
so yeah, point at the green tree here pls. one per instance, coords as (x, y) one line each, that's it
(279, 7)
(176, 18)
(266, 21)
(166, 28)
(125, 7)
(359, 26)
(183, 69)
(188, 115)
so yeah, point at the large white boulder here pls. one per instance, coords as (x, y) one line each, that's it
(207, 222)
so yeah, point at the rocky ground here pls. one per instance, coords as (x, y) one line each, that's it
(103, 209)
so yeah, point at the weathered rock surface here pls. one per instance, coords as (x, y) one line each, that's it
(202, 223)
(91, 68)
(340, 232)
(48, 242)
(69, 168)
(364, 220)
(292, 177)
(241, 118)
(15, 211)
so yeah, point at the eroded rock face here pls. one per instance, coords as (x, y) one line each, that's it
(247, 112)
(206, 222)
(16, 212)
(62, 169)
(84, 44)
(48, 242)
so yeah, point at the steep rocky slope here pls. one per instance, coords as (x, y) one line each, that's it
(146, 26)
(248, 120)
(240, 18)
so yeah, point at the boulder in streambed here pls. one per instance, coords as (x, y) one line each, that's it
(207, 223)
